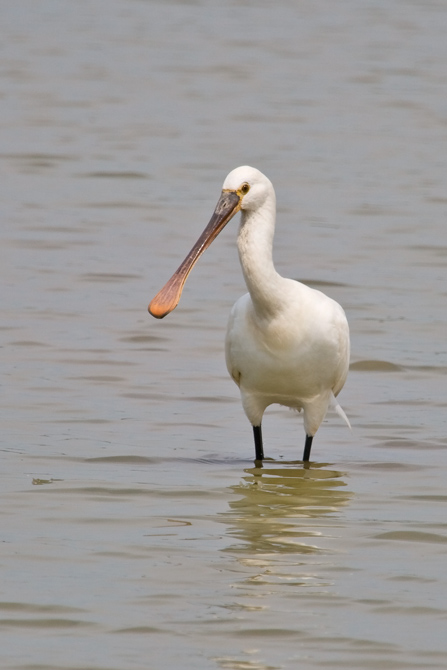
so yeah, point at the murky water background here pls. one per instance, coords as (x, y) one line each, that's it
(135, 531)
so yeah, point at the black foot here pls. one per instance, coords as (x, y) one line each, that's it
(259, 449)
(307, 447)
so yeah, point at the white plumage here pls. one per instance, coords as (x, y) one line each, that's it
(286, 343)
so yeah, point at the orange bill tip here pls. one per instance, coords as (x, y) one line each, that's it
(168, 298)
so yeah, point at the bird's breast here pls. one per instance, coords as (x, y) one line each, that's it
(296, 353)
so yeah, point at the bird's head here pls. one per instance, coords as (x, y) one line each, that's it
(250, 185)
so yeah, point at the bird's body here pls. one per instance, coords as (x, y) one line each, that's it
(287, 361)
(286, 343)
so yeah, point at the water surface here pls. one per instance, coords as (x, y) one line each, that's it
(136, 531)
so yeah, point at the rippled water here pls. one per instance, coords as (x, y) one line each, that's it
(135, 530)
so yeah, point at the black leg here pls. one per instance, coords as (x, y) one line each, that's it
(259, 449)
(307, 447)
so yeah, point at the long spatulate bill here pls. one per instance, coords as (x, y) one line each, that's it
(168, 298)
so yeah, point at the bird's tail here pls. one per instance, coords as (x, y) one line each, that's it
(339, 410)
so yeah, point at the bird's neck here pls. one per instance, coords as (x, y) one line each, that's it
(255, 242)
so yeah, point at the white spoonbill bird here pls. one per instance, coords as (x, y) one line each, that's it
(286, 343)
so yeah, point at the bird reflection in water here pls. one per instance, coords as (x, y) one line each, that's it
(284, 508)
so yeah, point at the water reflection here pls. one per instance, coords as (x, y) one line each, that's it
(282, 506)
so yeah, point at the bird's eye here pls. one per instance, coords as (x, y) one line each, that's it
(245, 188)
